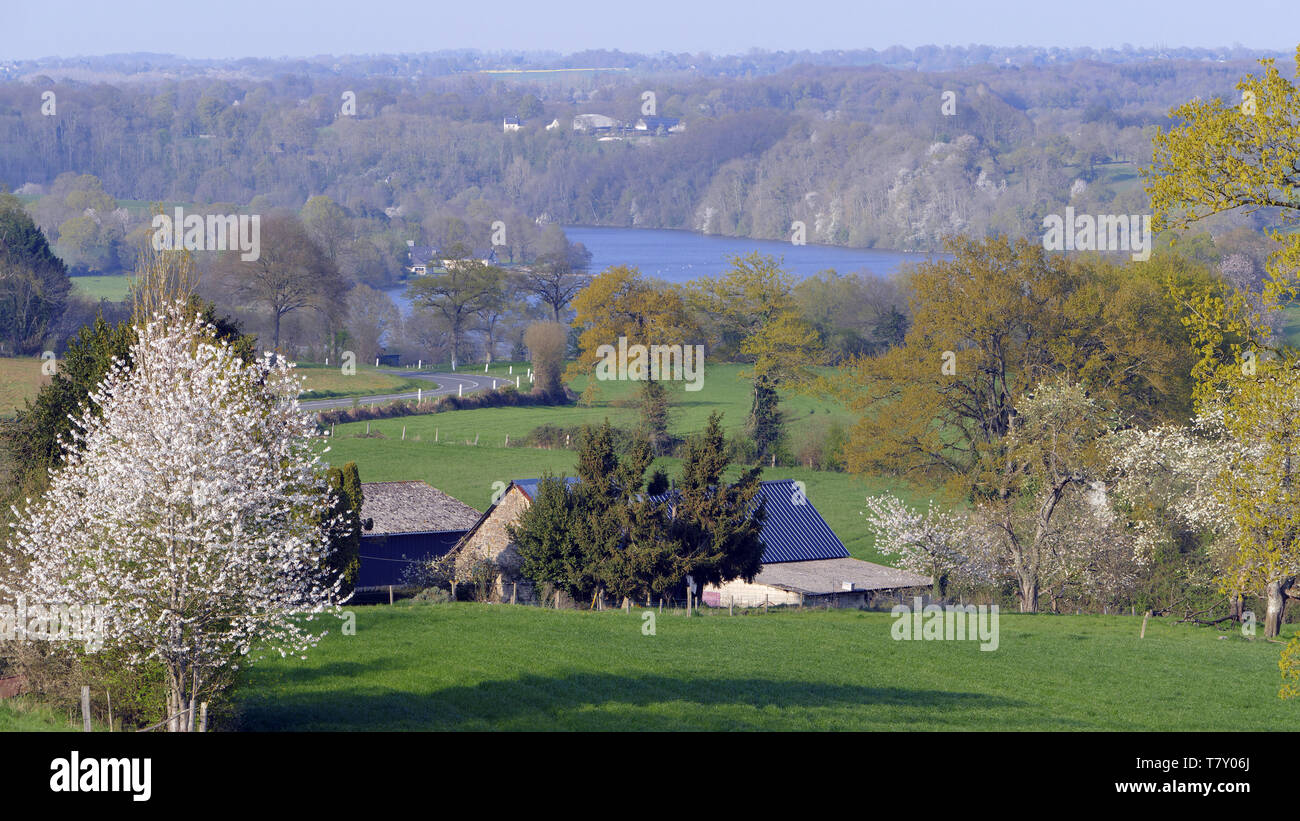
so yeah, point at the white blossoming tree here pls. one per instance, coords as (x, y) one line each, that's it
(190, 509)
(1038, 492)
(1233, 476)
(935, 543)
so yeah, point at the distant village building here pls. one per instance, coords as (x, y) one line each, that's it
(511, 124)
(594, 123)
(660, 125)
(405, 524)
(804, 562)
(554, 124)
(419, 257)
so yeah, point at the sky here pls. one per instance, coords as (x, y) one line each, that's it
(289, 28)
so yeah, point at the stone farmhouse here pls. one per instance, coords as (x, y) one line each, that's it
(804, 562)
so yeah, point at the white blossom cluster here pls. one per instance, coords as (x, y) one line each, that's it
(1173, 475)
(189, 507)
(930, 543)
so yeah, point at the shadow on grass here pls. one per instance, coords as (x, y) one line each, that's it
(566, 701)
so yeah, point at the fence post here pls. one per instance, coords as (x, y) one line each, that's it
(390, 594)
(514, 590)
(85, 708)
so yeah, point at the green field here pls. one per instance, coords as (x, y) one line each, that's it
(21, 715)
(469, 472)
(329, 381)
(498, 667)
(20, 379)
(112, 288)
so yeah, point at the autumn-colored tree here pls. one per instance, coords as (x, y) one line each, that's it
(546, 342)
(987, 327)
(620, 303)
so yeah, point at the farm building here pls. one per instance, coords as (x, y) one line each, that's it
(406, 523)
(804, 562)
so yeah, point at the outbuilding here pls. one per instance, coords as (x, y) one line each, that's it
(407, 523)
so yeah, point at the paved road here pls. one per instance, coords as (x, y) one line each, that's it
(445, 383)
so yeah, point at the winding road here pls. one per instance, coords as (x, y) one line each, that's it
(444, 384)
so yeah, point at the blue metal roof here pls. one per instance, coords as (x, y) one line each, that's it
(529, 486)
(793, 531)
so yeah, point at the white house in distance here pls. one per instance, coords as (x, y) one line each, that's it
(511, 124)
(420, 258)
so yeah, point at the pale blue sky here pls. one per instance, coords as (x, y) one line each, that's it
(278, 28)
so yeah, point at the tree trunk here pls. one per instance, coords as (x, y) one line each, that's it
(1276, 592)
(175, 700)
(1028, 593)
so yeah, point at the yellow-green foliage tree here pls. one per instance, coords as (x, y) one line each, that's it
(1244, 155)
(752, 316)
(987, 327)
(620, 303)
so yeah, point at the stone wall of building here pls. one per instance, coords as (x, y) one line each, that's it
(492, 542)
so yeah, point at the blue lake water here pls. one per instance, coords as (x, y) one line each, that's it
(680, 256)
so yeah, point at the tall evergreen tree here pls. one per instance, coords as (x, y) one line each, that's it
(343, 526)
(34, 283)
(716, 525)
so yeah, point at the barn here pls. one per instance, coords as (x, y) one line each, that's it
(804, 562)
(406, 523)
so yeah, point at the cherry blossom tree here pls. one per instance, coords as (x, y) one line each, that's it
(935, 543)
(190, 510)
(1232, 476)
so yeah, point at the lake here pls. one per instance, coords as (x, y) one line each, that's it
(680, 256)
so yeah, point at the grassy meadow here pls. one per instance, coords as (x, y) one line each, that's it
(328, 381)
(114, 288)
(497, 667)
(20, 379)
(438, 448)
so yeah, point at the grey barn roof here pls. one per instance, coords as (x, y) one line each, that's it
(793, 532)
(829, 575)
(413, 507)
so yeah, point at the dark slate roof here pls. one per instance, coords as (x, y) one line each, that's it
(413, 507)
(793, 532)
(422, 254)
